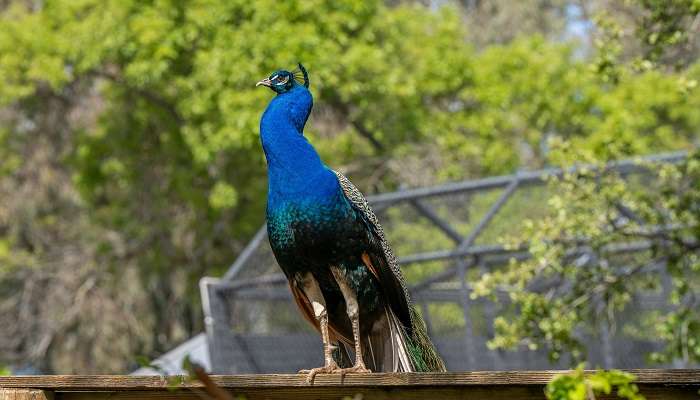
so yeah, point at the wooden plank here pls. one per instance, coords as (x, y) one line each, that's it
(448, 379)
(25, 394)
(513, 385)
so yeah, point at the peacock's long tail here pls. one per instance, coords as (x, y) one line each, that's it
(389, 347)
(422, 350)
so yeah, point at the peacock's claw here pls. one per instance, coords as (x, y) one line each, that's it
(358, 368)
(311, 373)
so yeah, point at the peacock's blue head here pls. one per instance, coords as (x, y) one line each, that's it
(282, 81)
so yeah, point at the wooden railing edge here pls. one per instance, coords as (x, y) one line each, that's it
(476, 378)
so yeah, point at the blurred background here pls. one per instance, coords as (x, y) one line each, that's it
(130, 168)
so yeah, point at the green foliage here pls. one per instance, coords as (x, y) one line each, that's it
(665, 28)
(560, 294)
(579, 385)
(526, 93)
(663, 35)
(606, 63)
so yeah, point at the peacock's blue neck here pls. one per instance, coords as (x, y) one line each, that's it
(295, 171)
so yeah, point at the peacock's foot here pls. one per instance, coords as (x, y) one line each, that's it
(326, 369)
(358, 368)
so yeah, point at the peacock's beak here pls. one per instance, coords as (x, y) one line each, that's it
(264, 82)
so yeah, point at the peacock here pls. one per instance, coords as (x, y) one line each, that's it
(342, 272)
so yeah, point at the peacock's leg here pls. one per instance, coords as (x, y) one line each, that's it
(353, 311)
(313, 293)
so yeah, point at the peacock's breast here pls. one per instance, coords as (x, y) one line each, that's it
(306, 224)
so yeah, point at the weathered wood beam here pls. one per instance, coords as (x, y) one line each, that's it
(493, 378)
(655, 383)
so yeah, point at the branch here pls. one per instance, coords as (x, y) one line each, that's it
(367, 135)
(210, 387)
(359, 127)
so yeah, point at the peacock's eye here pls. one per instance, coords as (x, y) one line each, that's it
(282, 79)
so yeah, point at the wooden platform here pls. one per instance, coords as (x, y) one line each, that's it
(520, 385)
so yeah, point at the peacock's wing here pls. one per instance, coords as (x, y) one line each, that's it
(385, 266)
(382, 261)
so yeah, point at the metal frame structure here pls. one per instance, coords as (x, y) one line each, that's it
(466, 254)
